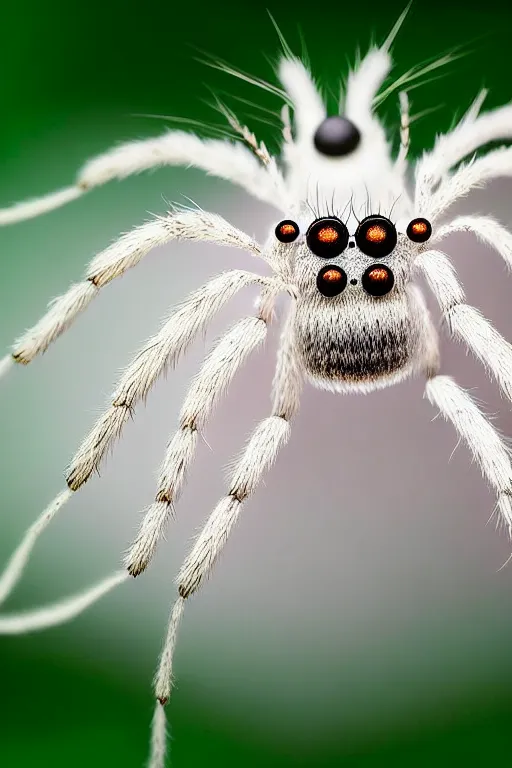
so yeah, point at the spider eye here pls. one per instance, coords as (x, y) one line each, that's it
(378, 280)
(419, 230)
(376, 236)
(287, 231)
(327, 237)
(336, 136)
(331, 280)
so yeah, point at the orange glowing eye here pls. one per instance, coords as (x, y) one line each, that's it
(419, 230)
(376, 234)
(287, 231)
(327, 235)
(331, 281)
(332, 276)
(378, 275)
(378, 280)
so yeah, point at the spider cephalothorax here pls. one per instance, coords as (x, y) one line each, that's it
(357, 320)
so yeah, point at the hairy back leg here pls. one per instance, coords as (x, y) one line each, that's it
(484, 441)
(227, 160)
(163, 349)
(213, 379)
(259, 454)
(114, 261)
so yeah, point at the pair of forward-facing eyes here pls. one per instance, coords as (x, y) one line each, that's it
(375, 236)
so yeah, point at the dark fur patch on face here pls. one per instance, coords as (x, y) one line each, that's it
(367, 354)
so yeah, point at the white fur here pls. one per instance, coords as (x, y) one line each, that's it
(485, 443)
(349, 343)
(113, 262)
(363, 84)
(466, 322)
(163, 677)
(161, 351)
(401, 160)
(308, 106)
(212, 381)
(267, 439)
(219, 368)
(197, 226)
(225, 159)
(158, 738)
(453, 147)
(29, 209)
(485, 228)
(6, 363)
(472, 175)
(58, 613)
(259, 454)
(61, 314)
(18, 560)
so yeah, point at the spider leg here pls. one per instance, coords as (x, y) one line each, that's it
(469, 176)
(20, 556)
(484, 441)
(308, 106)
(224, 159)
(405, 139)
(6, 363)
(466, 322)
(60, 612)
(362, 87)
(471, 133)
(485, 228)
(162, 350)
(114, 261)
(259, 454)
(213, 379)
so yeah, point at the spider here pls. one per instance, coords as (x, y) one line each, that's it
(357, 320)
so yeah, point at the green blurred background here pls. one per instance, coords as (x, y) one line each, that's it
(423, 679)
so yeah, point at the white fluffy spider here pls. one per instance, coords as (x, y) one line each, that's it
(357, 320)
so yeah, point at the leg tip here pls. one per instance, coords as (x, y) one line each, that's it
(18, 357)
(135, 565)
(75, 482)
(135, 570)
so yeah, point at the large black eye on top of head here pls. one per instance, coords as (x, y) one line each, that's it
(376, 236)
(336, 136)
(327, 237)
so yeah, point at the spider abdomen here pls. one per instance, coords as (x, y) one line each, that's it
(356, 344)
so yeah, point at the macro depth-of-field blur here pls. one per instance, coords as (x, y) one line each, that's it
(357, 617)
